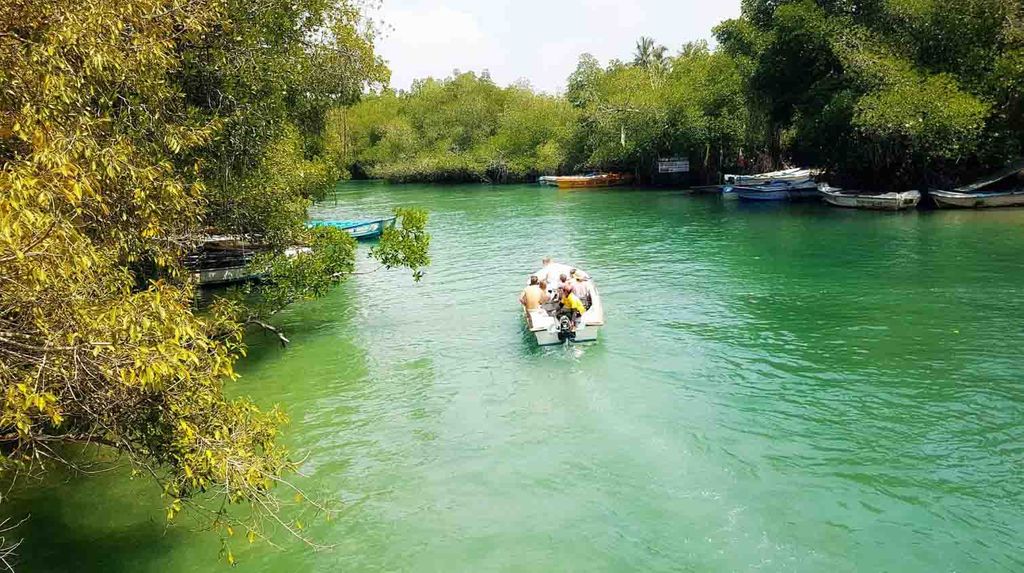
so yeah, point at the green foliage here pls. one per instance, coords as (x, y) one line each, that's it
(128, 131)
(929, 116)
(889, 93)
(690, 104)
(406, 245)
(463, 128)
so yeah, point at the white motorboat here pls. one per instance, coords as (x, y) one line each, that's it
(876, 201)
(786, 175)
(550, 328)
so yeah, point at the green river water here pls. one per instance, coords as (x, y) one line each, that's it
(778, 388)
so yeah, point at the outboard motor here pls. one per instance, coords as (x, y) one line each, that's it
(565, 331)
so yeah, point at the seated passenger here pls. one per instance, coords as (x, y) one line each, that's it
(549, 271)
(549, 294)
(571, 305)
(579, 275)
(532, 295)
(582, 292)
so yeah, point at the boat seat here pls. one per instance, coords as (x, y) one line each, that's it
(541, 320)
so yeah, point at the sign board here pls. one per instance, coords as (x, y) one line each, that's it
(674, 165)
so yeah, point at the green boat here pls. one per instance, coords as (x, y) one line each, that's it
(358, 228)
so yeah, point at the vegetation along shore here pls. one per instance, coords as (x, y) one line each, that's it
(133, 133)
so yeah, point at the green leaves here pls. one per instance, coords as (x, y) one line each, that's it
(463, 128)
(887, 93)
(126, 136)
(929, 116)
(406, 245)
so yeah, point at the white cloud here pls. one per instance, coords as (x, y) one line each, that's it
(433, 41)
(539, 40)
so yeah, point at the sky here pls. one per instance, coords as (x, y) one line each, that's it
(536, 40)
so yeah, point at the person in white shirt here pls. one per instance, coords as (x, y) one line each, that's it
(551, 273)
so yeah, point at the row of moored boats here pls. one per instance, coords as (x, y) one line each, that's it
(1002, 189)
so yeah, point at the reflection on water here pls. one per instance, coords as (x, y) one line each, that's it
(787, 388)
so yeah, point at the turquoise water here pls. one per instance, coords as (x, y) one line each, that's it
(778, 388)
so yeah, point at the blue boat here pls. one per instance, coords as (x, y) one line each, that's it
(778, 191)
(358, 228)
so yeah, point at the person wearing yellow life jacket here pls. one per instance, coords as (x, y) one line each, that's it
(571, 304)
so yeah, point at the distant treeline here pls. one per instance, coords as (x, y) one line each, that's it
(464, 128)
(888, 94)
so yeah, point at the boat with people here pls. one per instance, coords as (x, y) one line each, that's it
(875, 201)
(561, 304)
(1003, 189)
(359, 228)
(778, 191)
(589, 181)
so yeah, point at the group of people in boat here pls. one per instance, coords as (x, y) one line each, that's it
(563, 287)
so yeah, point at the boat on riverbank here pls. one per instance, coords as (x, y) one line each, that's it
(359, 228)
(778, 191)
(874, 201)
(222, 260)
(794, 175)
(1003, 189)
(957, 200)
(592, 181)
(550, 329)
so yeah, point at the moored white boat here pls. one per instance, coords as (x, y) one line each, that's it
(957, 199)
(550, 329)
(548, 181)
(876, 201)
(1003, 189)
(791, 175)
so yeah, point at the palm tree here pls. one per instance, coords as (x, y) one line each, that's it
(651, 57)
(648, 54)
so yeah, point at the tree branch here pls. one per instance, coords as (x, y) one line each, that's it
(280, 336)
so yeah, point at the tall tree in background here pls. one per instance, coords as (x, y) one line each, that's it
(893, 93)
(462, 128)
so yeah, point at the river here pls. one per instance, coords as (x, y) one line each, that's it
(778, 388)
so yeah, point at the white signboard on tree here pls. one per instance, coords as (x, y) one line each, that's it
(674, 165)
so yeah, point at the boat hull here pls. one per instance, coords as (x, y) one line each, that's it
(882, 202)
(552, 338)
(593, 182)
(755, 194)
(786, 175)
(708, 189)
(955, 200)
(360, 230)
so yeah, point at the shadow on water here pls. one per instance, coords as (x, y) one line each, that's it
(64, 529)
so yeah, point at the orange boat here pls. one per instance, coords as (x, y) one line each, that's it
(591, 181)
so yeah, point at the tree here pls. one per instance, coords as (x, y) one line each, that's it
(651, 57)
(127, 129)
(888, 94)
(461, 128)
